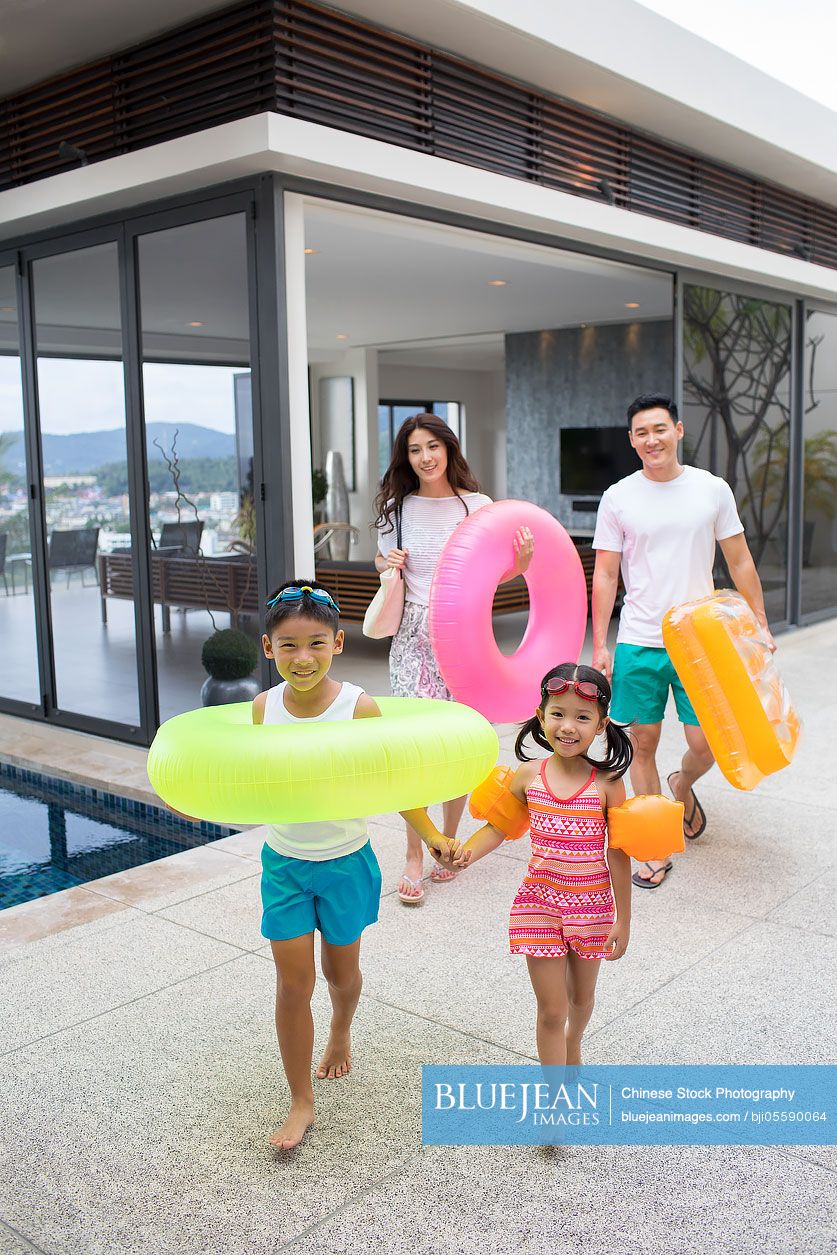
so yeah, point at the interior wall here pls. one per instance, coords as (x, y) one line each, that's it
(362, 366)
(575, 377)
(483, 395)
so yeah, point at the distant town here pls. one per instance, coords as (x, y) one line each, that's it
(85, 495)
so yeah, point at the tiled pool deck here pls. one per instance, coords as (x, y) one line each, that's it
(140, 1078)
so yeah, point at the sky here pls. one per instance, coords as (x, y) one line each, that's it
(793, 40)
(87, 396)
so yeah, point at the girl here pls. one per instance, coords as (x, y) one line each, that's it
(564, 918)
(427, 490)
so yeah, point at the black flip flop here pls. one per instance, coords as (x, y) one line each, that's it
(697, 809)
(642, 883)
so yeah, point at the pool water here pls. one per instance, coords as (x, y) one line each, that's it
(55, 834)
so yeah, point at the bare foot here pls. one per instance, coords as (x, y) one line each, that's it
(297, 1123)
(573, 1051)
(337, 1058)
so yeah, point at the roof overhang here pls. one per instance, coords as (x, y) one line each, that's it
(273, 142)
(614, 56)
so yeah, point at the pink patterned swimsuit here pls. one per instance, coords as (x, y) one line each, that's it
(565, 899)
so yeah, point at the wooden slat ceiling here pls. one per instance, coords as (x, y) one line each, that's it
(315, 63)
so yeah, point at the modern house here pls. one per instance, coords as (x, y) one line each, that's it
(234, 239)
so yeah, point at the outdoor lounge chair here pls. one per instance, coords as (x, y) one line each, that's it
(74, 550)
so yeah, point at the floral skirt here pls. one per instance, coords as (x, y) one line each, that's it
(413, 671)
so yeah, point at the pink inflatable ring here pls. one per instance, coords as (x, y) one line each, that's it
(474, 560)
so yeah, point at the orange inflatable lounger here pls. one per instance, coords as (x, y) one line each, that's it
(717, 649)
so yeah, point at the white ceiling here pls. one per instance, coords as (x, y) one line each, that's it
(416, 290)
(420, 291)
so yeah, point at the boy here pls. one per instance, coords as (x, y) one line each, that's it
(321, 875)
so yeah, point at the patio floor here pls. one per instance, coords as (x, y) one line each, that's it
(140, 1078)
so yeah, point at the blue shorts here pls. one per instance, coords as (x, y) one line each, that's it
(642, 677)
(339, 896)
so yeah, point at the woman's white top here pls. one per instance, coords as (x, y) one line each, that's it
(328, 838)
(426, 525)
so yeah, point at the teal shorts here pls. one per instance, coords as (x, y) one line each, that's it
(642, 677)
(339, 896)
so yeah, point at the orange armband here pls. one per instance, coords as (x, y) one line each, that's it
(646, 827)
(494, 802)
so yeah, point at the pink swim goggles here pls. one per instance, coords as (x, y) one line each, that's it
(584, 688)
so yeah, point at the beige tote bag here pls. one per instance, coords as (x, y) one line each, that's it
(383, 614)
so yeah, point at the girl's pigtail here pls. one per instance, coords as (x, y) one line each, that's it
(620, 751)
(533, 729)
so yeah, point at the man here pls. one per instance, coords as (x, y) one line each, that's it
(661, 525)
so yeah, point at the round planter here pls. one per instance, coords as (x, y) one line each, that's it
(220, 692)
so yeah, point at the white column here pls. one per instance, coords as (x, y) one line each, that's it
(300, 418)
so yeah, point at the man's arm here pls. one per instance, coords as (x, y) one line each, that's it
(605, 585)
(745, 577)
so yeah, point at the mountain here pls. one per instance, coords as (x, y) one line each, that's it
(83, 451)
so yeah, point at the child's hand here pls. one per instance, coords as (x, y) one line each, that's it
(617, 941)
(447, 851)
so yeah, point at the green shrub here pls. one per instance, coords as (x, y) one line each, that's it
(229, 654)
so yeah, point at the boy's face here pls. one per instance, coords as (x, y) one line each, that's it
(303, 650)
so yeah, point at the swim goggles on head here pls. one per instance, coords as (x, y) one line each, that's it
(297, 593)
(584, 688)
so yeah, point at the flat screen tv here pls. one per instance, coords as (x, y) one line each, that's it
(593, 458)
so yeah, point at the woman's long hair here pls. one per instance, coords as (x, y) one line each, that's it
(399, 479)
(620, 747)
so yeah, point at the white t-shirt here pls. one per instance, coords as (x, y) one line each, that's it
(329, 838)
(426, 525)
(666, 534)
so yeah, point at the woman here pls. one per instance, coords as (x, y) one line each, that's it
(430, 486)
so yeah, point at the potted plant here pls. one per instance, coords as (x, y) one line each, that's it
(319, 490)
(230, 657)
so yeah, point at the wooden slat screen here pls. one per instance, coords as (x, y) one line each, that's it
(210, 72)
(325, 66)
(336, 71)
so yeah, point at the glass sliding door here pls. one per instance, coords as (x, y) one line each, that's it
(819, 485)
(195, 341)
(736, 411)
(81, 405)
(18, 657)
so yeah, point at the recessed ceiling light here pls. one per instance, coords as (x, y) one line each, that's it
(195, 324)
(632, 305)
(309, 252)
(7, 309)
(341, 336)
(497, 283)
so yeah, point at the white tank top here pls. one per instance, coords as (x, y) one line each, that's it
(329, 838)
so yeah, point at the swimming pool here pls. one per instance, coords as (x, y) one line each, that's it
(55, 834)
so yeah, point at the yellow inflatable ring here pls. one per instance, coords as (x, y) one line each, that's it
(216, 764)
(728, 672)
